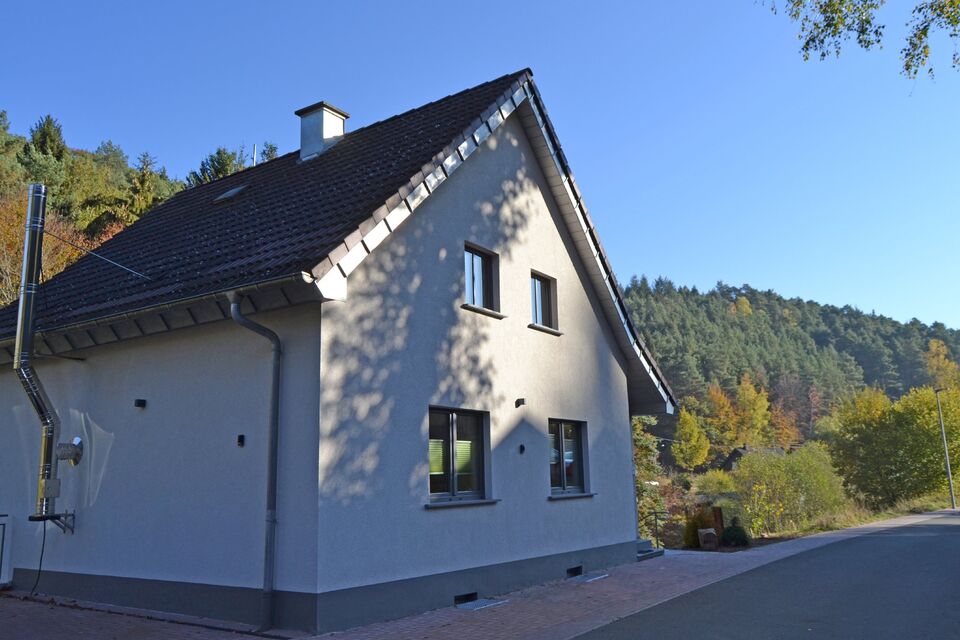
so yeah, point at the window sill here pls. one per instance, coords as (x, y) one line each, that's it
(569, 496)
(545, 329)
(483, 311)
(449, 504)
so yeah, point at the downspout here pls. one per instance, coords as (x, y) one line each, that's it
(270, 532)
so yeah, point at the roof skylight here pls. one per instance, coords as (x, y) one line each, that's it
(229, 193)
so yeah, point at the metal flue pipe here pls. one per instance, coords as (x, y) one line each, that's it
(270, 531)
(48, 485)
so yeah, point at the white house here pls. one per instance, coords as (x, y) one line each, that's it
(457, 376)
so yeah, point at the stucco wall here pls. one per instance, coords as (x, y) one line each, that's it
(401, 343)
(164, 492)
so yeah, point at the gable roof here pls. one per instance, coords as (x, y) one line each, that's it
(288, 219)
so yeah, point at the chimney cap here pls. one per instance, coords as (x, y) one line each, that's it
(321, 105)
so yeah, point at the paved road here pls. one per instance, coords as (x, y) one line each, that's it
(889, 579)
(897, 583)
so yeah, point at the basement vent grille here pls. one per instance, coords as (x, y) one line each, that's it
(481, 603)
(590, 577)
(229, 193)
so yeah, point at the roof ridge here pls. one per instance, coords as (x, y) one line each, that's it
(446, 97)
(367, 126)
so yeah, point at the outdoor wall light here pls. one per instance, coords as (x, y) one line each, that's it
(520, 402)
(241, 440)
(522, 448)
(140, 403)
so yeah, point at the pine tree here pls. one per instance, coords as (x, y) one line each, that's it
(219, 164)
(143, 185)
(269, 152)
(47, 137)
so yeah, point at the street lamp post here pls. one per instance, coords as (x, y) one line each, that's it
(946, 451)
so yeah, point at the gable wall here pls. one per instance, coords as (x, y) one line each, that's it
(401, 343)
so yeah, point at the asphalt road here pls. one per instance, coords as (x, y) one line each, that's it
(899, 583)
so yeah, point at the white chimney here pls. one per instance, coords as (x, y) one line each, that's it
(321, 126)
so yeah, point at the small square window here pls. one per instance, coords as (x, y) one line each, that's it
(543, 301)
(566, 456)
(456, 454)
(478, 269)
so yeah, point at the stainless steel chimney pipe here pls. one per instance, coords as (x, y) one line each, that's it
(48, 485)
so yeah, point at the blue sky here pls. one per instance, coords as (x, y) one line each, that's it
(707, 149)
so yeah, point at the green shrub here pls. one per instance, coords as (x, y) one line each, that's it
(780, 492)
(699, 519)
(715, 485)
(735, 535)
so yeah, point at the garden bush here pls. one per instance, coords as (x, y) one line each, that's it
(780, 492)
(735, 535)
(717, 488)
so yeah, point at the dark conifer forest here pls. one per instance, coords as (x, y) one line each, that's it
(806, 355)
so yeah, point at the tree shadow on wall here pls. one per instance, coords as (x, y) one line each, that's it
(412, 345)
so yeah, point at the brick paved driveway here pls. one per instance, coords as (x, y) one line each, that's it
(26, 620)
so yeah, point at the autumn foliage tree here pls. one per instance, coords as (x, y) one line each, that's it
(56, 254)
(690, 446)
(753, 414)
(942, 369)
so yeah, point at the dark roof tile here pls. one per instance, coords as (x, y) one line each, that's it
(288, 217)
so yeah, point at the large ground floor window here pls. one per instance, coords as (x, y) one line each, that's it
(566, 456)
(456, 452)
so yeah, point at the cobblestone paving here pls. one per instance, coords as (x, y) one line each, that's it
(559, 610)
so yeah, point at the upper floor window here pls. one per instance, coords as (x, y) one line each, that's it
(543, 300)
(566, 456)
(480, 278)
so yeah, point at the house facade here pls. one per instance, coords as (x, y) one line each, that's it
(457, 379)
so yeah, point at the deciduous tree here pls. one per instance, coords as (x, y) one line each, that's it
(943, 371)
(887, 451)
(753, 413)
(826, 25)
(691, 445)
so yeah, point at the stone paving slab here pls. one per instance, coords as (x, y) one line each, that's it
(560, 610)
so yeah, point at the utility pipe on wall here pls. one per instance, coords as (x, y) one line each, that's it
(270, 532)
(48, 484)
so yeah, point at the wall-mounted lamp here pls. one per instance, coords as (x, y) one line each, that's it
(520, 402)
(140, 403)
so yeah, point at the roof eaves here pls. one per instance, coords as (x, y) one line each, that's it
(109, 318)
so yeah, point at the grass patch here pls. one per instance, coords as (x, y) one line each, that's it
(854, 515)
